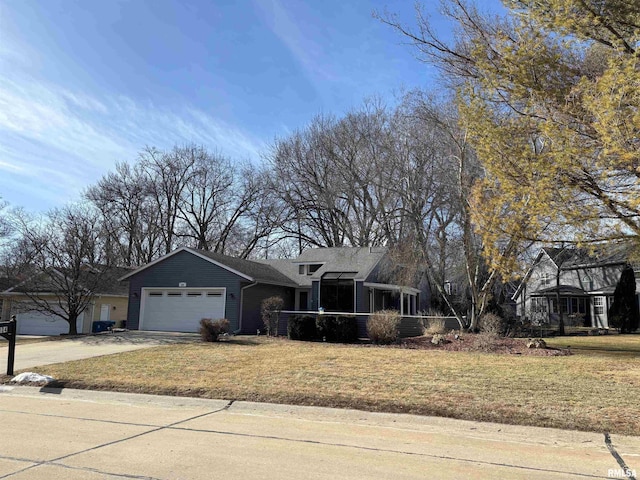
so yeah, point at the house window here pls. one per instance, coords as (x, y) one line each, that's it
(337, 292)
(308, 269)
(574, 305)
(598, 305)
(582, 305)
(155, 294)
(214, 294)
(313, 268)
(539, 304)
(545, 279)
(564, 305)
(194, 294)
(451, 288)
(174, 294)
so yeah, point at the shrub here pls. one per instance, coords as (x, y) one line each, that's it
(435, 326)
(484, 342)
(383, 326)
(269, 309)
(302, 327)
(492, 324)
(342, 329)
(210, 330)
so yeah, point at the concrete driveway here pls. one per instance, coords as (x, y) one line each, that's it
(72, 434)
(60, 349)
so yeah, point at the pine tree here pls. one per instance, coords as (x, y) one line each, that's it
(623, 313)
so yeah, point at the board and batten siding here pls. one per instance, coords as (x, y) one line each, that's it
(192, 270)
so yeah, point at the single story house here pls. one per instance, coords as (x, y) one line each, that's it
(108, 303)
(583, 279)
(174, 292)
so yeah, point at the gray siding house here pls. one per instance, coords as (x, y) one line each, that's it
(174, 292)
(584, 282)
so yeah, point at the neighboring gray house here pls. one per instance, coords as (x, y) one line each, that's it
(174, 292)
(585, 280)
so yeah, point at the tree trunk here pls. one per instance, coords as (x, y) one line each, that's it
(560, 316)
(73, 324)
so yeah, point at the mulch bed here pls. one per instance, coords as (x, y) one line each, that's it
(469, 342)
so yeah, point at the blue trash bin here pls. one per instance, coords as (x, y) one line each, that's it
(102, 326)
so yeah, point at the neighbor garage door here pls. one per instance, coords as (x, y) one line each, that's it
(180, 310)
(37, 323)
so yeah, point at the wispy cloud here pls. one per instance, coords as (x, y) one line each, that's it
(286, 27)
(54, 142)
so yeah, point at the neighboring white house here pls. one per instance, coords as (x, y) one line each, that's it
(583, 280)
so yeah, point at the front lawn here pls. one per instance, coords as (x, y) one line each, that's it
(585, 391)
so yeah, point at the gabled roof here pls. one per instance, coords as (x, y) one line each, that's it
(256, 271)
(571, 258)
(600, 255)
(247, 269)
(359, 261)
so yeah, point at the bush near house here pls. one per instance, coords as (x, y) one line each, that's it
(341, 328)
(210, 330)
(269, 312)
(302, 327)
(383, 327)
(492, 324)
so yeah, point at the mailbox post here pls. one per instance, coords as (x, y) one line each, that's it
(9, 331)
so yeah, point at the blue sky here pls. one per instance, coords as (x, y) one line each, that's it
(84, 84)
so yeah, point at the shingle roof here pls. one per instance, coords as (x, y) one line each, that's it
(357, 260)
(612, 253)
(260, 272)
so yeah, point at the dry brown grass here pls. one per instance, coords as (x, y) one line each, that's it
(582, 391)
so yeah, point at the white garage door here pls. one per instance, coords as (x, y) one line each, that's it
(37, 323)
(180, 310)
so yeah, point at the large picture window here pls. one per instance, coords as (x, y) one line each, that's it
(337, 292)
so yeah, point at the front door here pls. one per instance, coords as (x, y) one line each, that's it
(599, 312)
(105, 311)
(303, 301)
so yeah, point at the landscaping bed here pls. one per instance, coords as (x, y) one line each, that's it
(481, 343)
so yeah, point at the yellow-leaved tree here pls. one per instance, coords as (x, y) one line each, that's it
(550, 97)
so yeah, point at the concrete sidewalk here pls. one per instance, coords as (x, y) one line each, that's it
(73, 434)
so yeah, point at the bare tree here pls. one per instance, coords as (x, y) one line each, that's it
(168, 174)
(331, 175)
(64, 254)
(130, 219)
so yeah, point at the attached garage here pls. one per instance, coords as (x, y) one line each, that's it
(180, 309)
(38, 323)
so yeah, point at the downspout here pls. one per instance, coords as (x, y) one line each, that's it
(236, 332)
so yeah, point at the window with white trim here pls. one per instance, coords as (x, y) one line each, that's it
(598, 305)
(539, 304)
(545, 279)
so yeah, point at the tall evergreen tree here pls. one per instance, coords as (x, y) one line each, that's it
(623, 313)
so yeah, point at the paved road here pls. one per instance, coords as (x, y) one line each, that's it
(29, 355)
(73, 434)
